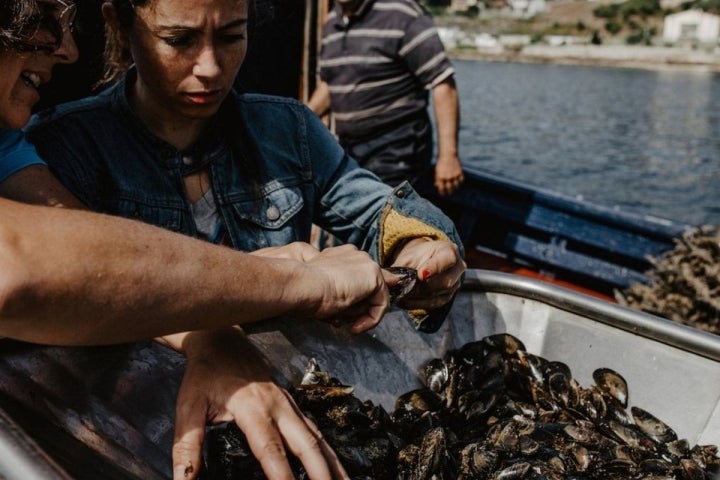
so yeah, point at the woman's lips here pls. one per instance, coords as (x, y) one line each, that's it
(203, 98)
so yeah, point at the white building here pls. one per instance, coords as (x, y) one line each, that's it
(527, 8)
(692, 26)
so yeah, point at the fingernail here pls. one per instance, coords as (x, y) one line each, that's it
(424, 274)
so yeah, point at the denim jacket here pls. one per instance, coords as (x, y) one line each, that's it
(275, 170)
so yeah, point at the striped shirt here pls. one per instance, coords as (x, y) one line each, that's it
(379, 64)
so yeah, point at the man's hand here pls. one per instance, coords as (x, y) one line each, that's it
(439, 268)
(227, 380)
(346, 282)
(448, 174)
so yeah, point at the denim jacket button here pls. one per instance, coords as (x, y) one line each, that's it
(272, 213)
(400, 193)
(187, 160)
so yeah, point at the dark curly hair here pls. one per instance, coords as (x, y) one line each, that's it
(20, 20)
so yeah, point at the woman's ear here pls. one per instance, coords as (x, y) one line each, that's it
(112, 23)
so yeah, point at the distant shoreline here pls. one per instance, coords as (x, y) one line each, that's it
(623, 56)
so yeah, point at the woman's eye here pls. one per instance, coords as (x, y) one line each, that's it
(234, 38)
(178, 41)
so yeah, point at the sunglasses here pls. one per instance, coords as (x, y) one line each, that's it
(67, 15)
(56, 17)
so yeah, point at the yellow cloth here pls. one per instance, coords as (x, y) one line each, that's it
(395, 231)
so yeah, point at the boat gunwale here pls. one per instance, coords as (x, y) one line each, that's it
(644, 324)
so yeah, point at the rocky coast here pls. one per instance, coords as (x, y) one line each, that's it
(628, 56)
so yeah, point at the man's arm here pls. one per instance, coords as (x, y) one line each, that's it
(320, 99)
(448, 169)
(74, 277)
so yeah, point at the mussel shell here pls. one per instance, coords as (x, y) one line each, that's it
(653, 426)
(612, 383)
(407, 280)
(437, 374)
(503, 343)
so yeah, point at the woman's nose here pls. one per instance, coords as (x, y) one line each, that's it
(207, 64)
(67, 52)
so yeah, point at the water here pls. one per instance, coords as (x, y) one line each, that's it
(646, 142)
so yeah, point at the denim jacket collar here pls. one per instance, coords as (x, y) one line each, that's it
(189, 160)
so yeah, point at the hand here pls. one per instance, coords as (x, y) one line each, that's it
(227, 380)
(352, 287)
(448, 174)
(439, 268)
(350, 282)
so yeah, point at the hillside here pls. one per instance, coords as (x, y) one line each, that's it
(627, 47)
(563, 17)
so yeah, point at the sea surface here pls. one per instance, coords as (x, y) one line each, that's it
(645, 142)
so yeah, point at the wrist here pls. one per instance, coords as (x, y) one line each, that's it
(203, 342)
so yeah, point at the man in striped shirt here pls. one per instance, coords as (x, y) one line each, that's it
(378, 61)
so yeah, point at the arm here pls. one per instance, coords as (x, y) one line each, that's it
(36, 185)
(448, 170)
(320, 100)
(227, 380)
(73, 277)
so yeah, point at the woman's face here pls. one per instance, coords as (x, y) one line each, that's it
(187, 54)
(21, 73)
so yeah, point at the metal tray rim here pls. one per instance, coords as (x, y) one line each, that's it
(660, 329)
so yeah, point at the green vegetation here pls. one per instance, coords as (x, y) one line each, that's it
(710, 6)
(629, 9)
(633, 16)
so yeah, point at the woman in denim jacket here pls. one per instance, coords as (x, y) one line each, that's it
(69, 277)
(170, 143)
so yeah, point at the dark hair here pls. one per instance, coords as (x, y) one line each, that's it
(117, 56)
(20, 20)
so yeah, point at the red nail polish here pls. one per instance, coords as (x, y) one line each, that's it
(425, 274)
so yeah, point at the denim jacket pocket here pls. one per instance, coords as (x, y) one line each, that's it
(270, 220)
(273, 210)
(159, 215)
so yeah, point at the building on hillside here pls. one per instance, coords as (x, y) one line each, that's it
(527, 8)
(692, 27)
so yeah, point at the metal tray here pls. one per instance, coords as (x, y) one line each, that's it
(108, 412)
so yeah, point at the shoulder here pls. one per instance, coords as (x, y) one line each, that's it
(410, 9)
(268, 108)
(75, 113)
(16, 153)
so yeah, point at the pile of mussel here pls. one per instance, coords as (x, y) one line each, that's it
(684, 283)
(489, 410)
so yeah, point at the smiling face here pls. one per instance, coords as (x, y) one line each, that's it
(22, 72)
(187, 54)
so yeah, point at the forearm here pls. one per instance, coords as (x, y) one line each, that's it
(320, 100)
(447, 118)
(201, 341)
(71, 277)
